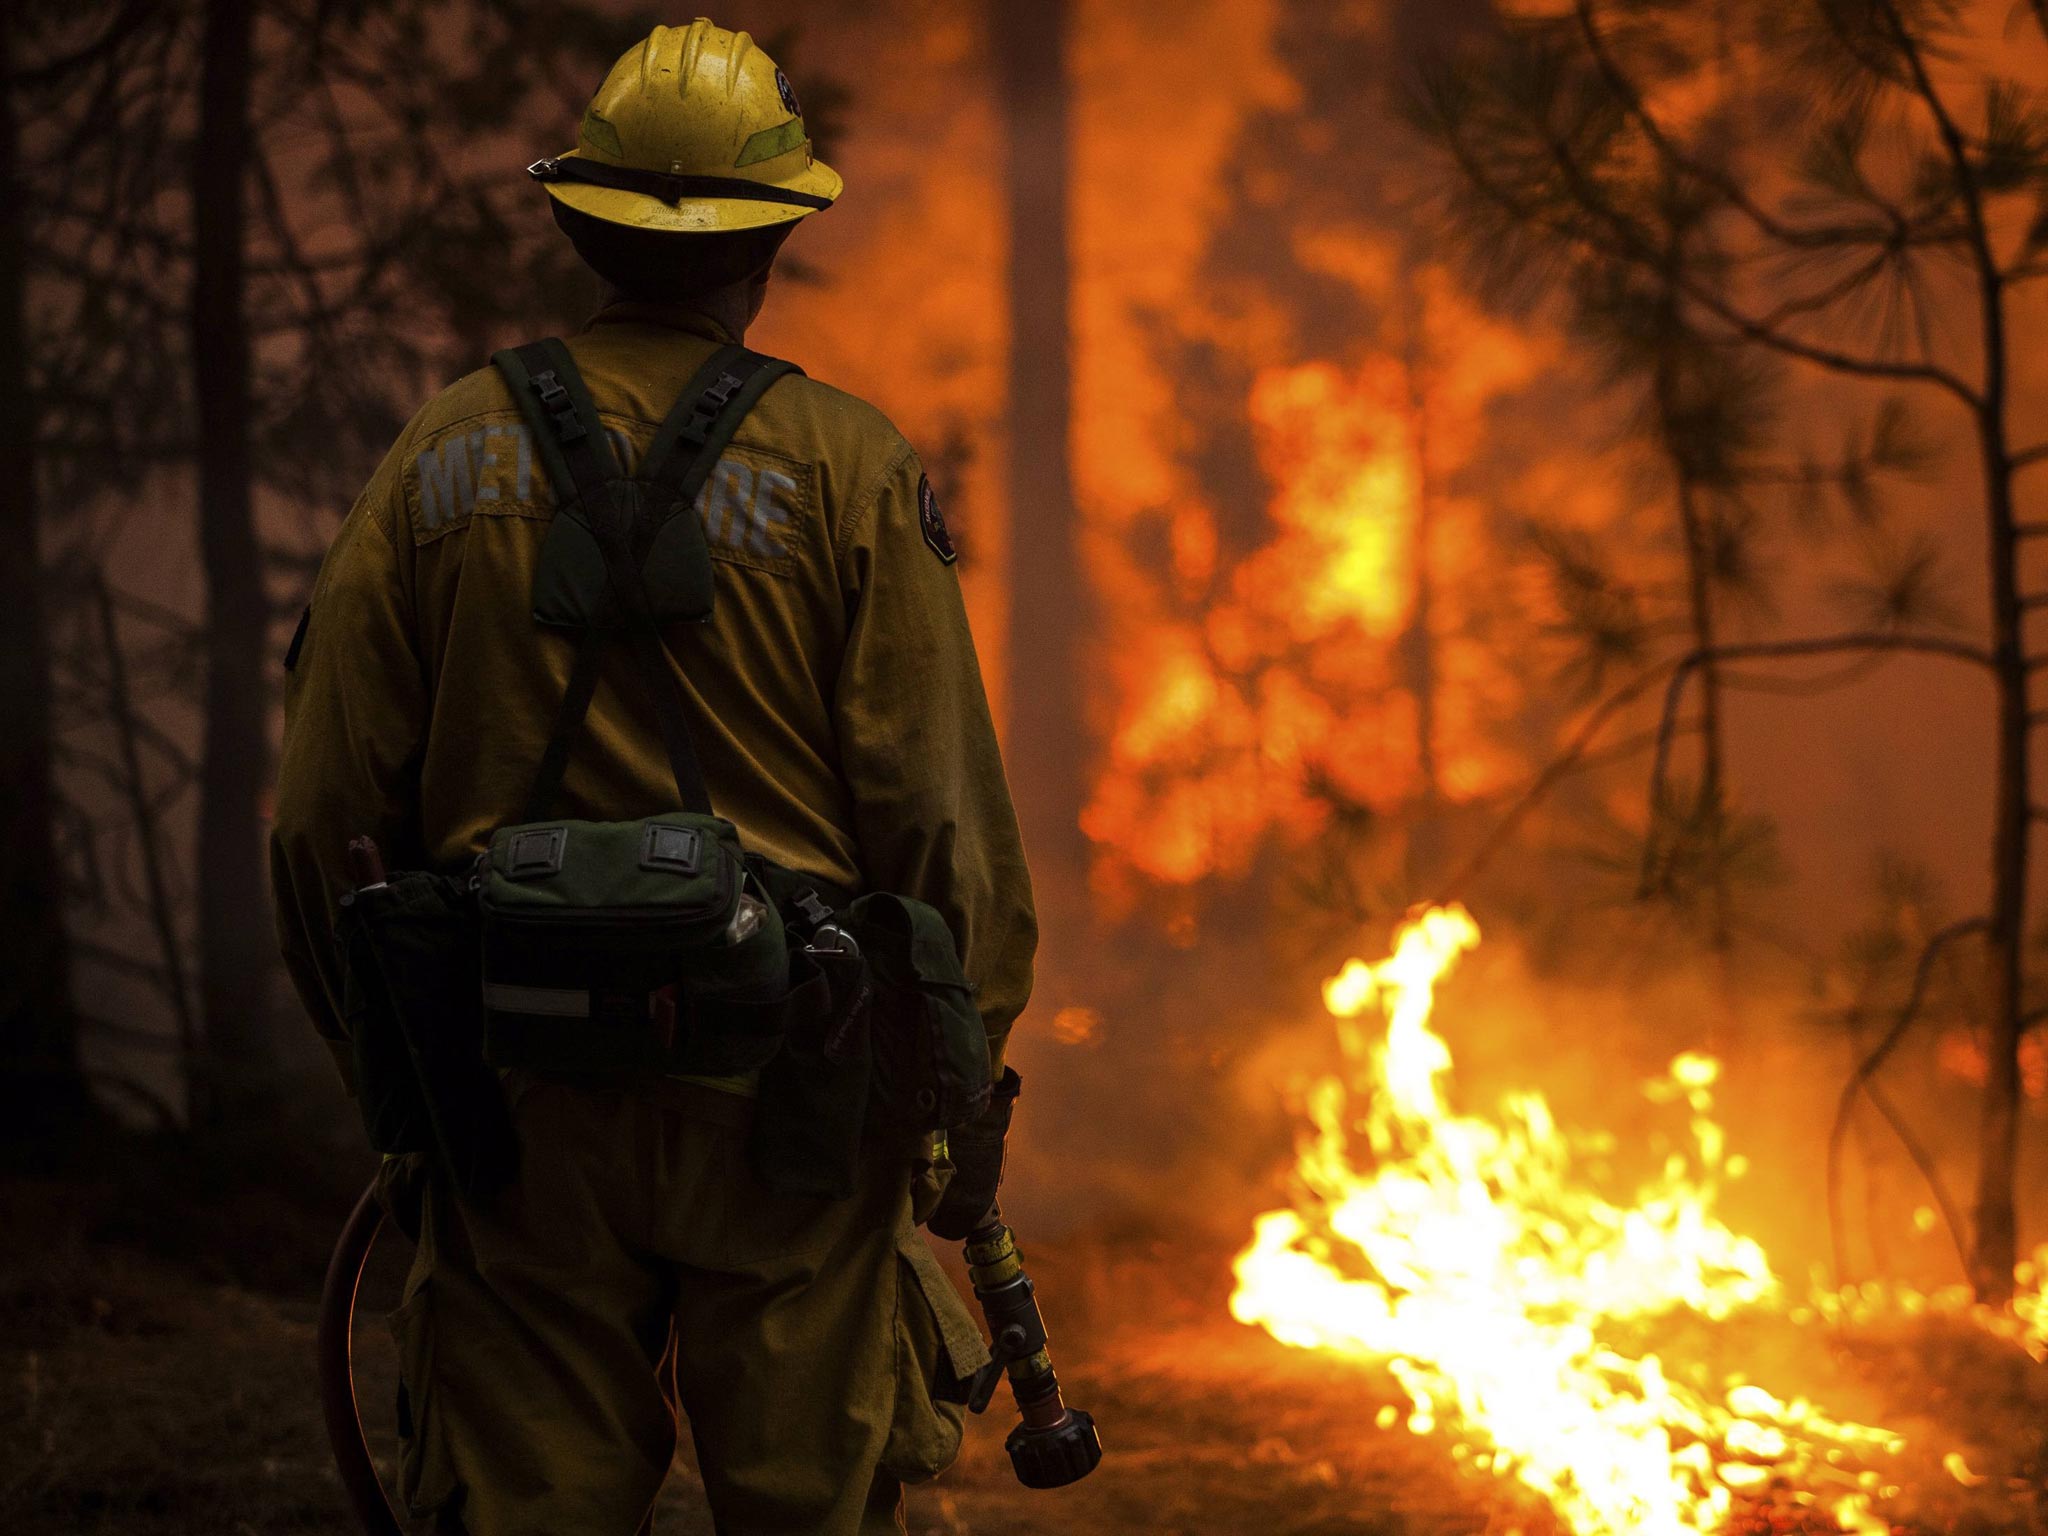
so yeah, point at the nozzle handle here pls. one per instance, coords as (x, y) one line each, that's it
(1053, 1445)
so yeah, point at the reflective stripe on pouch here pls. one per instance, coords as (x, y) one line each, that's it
(545, 1002)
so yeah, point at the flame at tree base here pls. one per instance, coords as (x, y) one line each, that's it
(1489, 1274)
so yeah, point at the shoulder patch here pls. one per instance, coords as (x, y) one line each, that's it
(933, 521)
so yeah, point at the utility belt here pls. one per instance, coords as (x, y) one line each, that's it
(656, 947)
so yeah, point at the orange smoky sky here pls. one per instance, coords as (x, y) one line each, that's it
(912, 315)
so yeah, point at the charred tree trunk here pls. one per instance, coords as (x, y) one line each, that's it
(1995, 1247)
(1696, 536)
(42, 1089)
(1049, 607)
(1711, 804)
(234, 943)
(1995, 1238)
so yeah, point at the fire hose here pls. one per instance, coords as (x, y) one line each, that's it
(337, 1369)
(1051, 1446)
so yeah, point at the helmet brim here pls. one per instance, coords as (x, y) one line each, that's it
(698, 215)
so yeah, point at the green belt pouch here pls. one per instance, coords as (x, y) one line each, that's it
(814, 1096)
(930, 1049)
(630, 946)
(409, 950)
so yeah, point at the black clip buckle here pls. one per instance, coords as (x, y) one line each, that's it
(813, 907)
(536, 853)
(669, 848)
(554, 399)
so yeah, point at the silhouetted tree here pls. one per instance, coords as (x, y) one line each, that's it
(54, 126)
(1049, 593)
(1840, 168)
(300, 220)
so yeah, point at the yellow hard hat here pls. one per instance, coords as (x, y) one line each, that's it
(693, 130)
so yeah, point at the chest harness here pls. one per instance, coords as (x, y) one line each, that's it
(657, 946)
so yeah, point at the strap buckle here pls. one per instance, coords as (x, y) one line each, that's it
(547, 168)
(555, 400)
(705, 413)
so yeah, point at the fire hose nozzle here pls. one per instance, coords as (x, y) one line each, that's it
(1062, 1453)
(1054, 1445)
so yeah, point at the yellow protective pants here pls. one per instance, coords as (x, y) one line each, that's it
(637, 1270)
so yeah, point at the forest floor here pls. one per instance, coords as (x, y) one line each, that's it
(142, 1395)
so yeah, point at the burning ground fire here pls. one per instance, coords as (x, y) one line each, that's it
(1479, 1261)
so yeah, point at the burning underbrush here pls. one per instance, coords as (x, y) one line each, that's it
(1616, 1349)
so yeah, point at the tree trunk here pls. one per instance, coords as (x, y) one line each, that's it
(234, 938)
(1995, 1245)
(42, 1089)
(1696, 534)
(1426, 829)
(1711, 806)
(1049, 606)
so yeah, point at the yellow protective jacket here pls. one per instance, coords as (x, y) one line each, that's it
(834, 697)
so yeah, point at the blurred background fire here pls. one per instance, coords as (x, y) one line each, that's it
(1562, 468)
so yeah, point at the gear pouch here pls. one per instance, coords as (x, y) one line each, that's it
(813, 1103)
(409, 949)
(629, 946)
(931, 1068)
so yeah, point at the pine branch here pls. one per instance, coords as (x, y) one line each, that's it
(1673, 154)
(1625, 243)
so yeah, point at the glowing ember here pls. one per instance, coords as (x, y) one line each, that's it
(1485, 1269)
(2023, 1323)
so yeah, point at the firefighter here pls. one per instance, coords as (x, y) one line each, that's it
(637, 1268)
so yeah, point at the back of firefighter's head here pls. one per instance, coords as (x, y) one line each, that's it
(690, 169)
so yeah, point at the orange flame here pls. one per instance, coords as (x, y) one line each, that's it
(1258, 691)
(1476, 1260)
(1230, 718)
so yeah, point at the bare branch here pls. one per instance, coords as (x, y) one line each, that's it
(130, 1036)
(124, 25)
(1872, 643)
(167, 1118)
(1860, 1082)
(1553, 772)
(163, 920)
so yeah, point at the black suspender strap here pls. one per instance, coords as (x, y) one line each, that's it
(687, 444)
(623, 516)
(576, 697)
